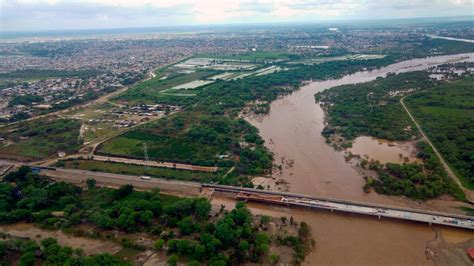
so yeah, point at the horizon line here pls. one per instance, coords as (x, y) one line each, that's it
(342, 21)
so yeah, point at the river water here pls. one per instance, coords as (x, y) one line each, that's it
(451, 38)
(292, 130)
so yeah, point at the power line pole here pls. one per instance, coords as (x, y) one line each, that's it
(145, 151)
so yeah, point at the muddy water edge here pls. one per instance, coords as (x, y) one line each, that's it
(292, 131)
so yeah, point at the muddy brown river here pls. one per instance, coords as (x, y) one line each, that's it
(292, 130)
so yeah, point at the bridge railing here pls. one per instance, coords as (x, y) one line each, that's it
(356, 203)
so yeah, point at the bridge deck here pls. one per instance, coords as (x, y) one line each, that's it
(272, 197)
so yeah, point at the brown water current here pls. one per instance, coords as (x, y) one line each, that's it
(384, 151)
(292, 130)
(343, 239)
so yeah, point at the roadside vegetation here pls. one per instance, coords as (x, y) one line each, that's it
(446, 114)
(220, 177)
(183, 228)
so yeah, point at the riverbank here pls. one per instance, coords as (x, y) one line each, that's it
(317, 169)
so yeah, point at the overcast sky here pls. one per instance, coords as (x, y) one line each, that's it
(31, 15)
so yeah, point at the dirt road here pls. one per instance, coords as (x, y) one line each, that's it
(469, 193)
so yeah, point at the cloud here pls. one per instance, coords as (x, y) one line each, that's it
(74, 14)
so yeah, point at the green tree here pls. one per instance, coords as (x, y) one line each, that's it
(186, 225)
(202, 208)
(27, 259)
(173, 260)
(194, 263)
(159, 244)
(273, 259)
(3, 249)
(90, 183)
(304, 230)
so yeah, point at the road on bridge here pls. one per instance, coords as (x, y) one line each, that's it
(195, 189)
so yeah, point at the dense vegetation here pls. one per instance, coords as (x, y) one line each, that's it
(446, 114)
(430, 47)
(196, 139)
(182, 225)
(372, 108)
(422, 181)
(41, 138)
(27, 100)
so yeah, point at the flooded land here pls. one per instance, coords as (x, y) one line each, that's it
(309, 164)
(370, 148)
(88, 245)
(292, 130)
(343, 239)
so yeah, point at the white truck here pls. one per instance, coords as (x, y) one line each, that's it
(145, 177)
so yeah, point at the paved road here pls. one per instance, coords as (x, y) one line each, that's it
(194, 188)
(116, 180)
(378, 210)
(182, 166)
(469, 193)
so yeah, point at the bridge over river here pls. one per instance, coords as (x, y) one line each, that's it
(292, 199)
(266, 196)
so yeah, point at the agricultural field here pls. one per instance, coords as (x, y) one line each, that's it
(446, 114)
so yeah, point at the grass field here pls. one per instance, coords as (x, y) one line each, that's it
(446, 114)
(138, 170)
(163, 148)
(186, 138)
(194, 138)
(40, 138)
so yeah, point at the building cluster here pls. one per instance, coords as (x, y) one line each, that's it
(122, 60)
(148, 110)
(53, 93)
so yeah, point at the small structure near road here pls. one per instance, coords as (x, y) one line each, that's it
(470, 252)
